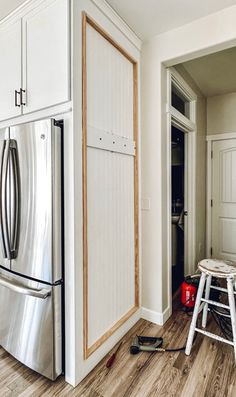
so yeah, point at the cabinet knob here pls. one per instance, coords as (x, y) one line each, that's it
(16, 98)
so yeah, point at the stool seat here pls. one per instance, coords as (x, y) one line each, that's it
(218, 268)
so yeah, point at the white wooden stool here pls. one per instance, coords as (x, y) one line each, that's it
(219, 269)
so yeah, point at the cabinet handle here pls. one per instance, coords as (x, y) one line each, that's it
(21, 97)
(16, 99)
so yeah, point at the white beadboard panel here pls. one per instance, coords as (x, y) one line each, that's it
(109, 87)
(111, 257)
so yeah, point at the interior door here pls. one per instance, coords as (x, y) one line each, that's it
(10, 70)
(224, 199)
(4, 199)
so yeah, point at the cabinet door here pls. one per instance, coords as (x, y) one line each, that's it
(10, 69)
(46, 76)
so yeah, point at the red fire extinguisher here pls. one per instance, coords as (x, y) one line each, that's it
(188, 292)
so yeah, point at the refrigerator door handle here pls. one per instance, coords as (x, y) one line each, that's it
(16, 198)
(20, 289)
(4, 200)
(2, 239)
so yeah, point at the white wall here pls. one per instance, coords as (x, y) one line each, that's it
(201, 37)
(221, 114)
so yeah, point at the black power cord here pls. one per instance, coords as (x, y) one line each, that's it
(223, 320)
(178, 349)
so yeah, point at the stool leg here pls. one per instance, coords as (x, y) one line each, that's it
(207, 294)
(230, 288)
(195, 315)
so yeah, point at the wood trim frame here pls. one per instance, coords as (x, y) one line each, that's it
(88, 350)
(221, 137)
(208, 198)
(188, 126)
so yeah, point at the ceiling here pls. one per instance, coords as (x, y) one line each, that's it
(148, 18)
(214, 74)
(6, 6)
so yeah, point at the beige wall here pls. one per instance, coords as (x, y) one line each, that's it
(200, 165)
(221, 114)
(201, 37)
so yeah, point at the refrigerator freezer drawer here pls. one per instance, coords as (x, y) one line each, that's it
(30, 326)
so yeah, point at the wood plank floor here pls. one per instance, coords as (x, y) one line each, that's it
(208, 372)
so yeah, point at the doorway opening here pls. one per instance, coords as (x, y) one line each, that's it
(177, 205)
(181, 176)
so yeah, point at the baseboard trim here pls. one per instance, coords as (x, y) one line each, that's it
(156, 317)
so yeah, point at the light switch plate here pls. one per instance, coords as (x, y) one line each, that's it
(145, 204)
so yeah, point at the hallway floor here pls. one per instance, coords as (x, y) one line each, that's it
(208, 372)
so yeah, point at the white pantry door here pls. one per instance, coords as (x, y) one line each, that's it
(224, 199)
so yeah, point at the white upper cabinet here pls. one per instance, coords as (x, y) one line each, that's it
(46, 71)
(10, 70)
(35, 58)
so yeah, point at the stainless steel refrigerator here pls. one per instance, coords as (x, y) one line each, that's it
(31, 245)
